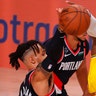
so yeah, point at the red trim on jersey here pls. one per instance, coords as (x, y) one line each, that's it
(31, 75)
(61, 58)
(57, 81)
(50, 93)
(73, 52)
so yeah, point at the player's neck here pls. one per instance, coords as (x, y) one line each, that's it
(72, 41)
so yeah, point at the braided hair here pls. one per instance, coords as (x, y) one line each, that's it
(18, 54)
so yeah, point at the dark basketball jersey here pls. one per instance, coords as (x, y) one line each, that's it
(26, 88)
(68, 61)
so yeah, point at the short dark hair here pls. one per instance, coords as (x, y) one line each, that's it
(21, 48)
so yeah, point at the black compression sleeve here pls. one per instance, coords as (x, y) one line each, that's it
(48, 64)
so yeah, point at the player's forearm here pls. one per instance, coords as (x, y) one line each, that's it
(82, 79)
(82, 75)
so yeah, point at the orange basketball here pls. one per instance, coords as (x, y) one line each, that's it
(74, 19)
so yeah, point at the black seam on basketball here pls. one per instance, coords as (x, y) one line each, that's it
(79, 25)
(71, 21)
(74, 12)
(81, 12)
(72, 18)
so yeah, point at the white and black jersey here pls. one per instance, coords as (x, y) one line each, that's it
(26, 88)
(68, 61)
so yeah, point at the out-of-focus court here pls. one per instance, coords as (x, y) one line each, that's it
(11, 79)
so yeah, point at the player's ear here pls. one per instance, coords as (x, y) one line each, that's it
(32, 60)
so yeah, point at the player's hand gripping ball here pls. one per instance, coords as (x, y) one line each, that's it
(74, 19)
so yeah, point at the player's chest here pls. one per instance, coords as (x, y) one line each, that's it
(70, 60)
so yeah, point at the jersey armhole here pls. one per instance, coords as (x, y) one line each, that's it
(30, 76)
(86, 48)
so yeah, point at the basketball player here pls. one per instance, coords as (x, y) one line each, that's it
(38, 81)
(69, 51)
(92, 71)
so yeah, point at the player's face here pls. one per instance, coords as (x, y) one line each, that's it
(82, 36)
(39, 57)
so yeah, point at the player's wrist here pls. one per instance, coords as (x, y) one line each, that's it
(48, 64)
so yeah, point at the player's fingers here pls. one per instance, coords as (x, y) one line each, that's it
(69, 2)
(59, 10)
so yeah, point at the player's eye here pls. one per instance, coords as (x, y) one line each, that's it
(43, 52)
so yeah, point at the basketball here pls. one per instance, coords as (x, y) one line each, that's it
(74, 19)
